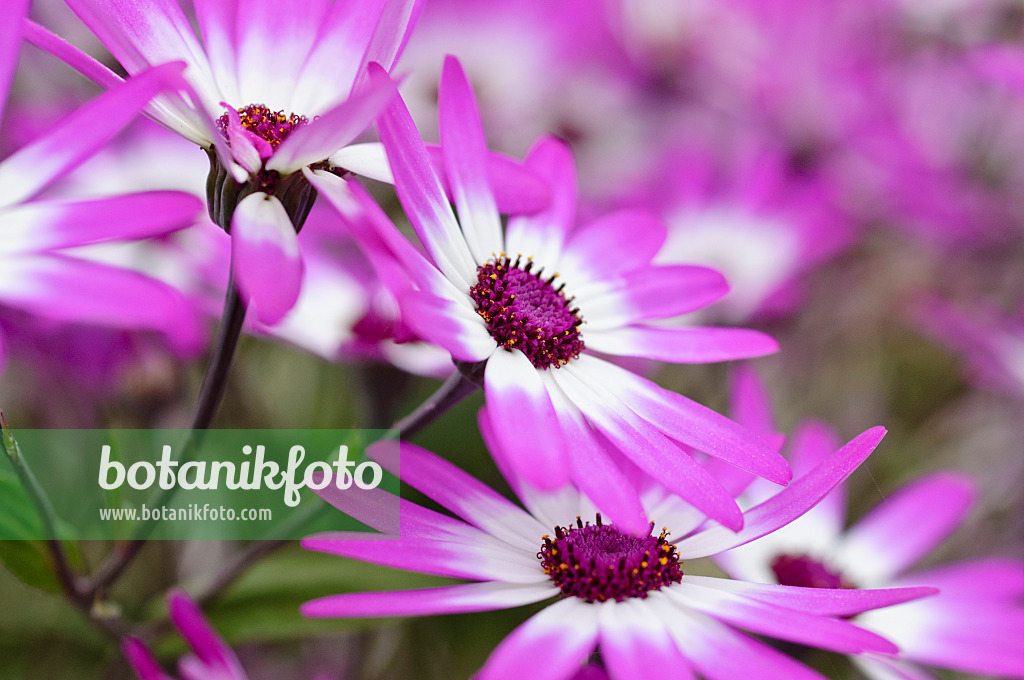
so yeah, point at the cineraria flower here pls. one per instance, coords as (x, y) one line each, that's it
(528, 306)
(45, 271)
(752, 218)
(272, 88)
(624, 594)
(976, 622)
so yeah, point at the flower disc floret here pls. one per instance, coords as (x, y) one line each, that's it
(806, 572)
(528, 312)
(271, 126)
(597, 562)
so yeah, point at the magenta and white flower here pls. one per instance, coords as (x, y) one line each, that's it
(271, 88)
(45, 269)
(976, 622)
(623, 593)
(530, 304)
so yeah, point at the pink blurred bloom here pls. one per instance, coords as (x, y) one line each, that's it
(976, 622)
(531, 319)
(990, 344)
(621, 592)
(47, 270)
(750, 217)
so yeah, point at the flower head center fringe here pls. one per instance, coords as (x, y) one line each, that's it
(527, 312)
(597, 562)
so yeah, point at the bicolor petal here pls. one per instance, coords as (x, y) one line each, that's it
(266, 256)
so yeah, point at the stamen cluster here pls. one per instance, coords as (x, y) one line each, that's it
(807, 572)
(527, 312)
(597, 562)
(271, 126)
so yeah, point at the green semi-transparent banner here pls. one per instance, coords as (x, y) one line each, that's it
(188, 485)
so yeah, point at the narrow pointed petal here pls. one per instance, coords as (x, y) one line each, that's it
(338, 55)
(465, 152)
(822, 601)
(201, 637)
(517, 189)
(660, 458)
(688, 422)
(148, 33)
(10, 44)
(53, 44)
(542, 235)
(549, 507)
(77, 290)
(422, 196)
(958, 633)
(649, 293)
(458, 599)
(524, 419)
(457, 491)
(595, 473)
(693, 345)
(987, 579)
(49, 225)
(780, 622)
(273, 39)
(904, 528)
(557, 640)
(217, 19)
(266, 256)
(397, 261)
(721, 653)
(614, 244)
(634, 640)
(142, 660)
(790, 503)
(78, 136)
(447, 324)
(749, 404)
(335, 128)
(477, 558)
(392, 32)
(812, 443)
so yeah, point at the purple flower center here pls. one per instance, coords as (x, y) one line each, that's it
(597, 562)
(526, 312)
(272, 126)
(805, 571)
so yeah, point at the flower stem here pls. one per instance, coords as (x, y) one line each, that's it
(210, 395)
(212, 390)
(455, 389)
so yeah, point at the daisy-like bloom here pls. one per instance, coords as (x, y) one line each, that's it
(44, 270)
(752, 218)
(624, 594)
(272, 88)
(522, 310)
(976, 622)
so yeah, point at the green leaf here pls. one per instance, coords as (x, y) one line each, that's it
(18, 518)
(29, 562)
